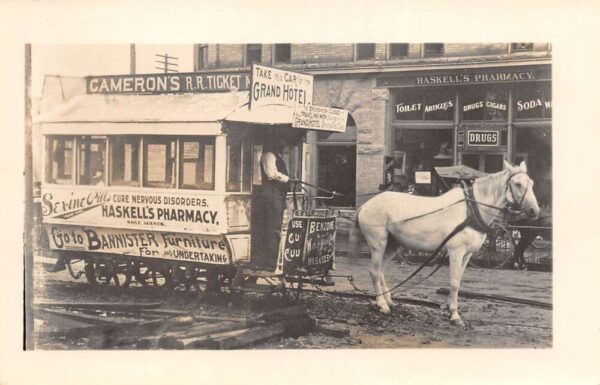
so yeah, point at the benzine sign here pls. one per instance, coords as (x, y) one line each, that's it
(274, 86)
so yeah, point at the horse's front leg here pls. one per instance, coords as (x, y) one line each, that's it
(376, 272)
(457, 258)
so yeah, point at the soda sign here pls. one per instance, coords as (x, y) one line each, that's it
(483, 138)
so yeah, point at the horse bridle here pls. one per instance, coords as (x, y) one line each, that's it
(509, 187)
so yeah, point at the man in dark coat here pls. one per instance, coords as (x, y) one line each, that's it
(269, 205)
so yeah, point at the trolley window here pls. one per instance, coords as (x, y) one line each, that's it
(239, 165)
(292, 156)
(91, 162)
(125, 161)
(160, 161)
(59, 160)
(197, 163)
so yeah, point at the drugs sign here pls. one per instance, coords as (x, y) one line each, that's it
(483, 138)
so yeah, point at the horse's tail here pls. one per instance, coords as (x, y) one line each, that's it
(354, 237)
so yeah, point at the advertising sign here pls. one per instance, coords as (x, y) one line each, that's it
(309, 243)
(168, 83)
(274, 86)
(293, 252)
(314, 117)
(483, 138)
(422, 177)
(178, 212)
(210, 249)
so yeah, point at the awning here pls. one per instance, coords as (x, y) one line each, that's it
(271, 115)
(198, 114)
(459, 172)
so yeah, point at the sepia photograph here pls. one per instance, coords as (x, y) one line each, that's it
(336, 192)
(291, 196)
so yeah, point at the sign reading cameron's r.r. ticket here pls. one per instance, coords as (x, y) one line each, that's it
(274, 86)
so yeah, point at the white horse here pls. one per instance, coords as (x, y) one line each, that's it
(422, 223)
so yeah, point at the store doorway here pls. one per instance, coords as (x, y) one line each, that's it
(337, 172)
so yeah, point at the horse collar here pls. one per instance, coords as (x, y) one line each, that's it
(474, 218)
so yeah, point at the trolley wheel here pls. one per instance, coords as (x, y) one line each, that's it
(540, 242)
(497, 250)
(97, 272)
(157, 274)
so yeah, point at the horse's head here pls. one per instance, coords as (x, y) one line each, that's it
(519, 190)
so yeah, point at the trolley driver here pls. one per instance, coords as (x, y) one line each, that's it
(270, 203)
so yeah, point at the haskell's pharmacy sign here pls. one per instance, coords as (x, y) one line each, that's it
(168, 83)
(466, 76)
(274, 86)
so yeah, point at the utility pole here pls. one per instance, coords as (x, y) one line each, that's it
(132, 59)
(28, 222)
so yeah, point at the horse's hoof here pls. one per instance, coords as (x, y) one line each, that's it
(384, 309)
(457, 322)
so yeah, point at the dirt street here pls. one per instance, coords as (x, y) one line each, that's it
(490, 324)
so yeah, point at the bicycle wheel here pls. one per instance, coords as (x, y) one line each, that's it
(497, 250)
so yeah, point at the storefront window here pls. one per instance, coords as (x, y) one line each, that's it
(92, 160)
(197, 163)
(59, 160)
(479, 103)
(125, 163)
(533, 102)
(435, 104)
(160, 160)
(425, 149)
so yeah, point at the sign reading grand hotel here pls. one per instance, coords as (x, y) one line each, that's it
(187, 213)
(168, 83)
(274, 86)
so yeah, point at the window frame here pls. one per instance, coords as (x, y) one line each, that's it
(78, 139)
(516, 48)
(275, 60)
(181, 160)
(395, 57)
(201, 56)
(247, 48)
(358, 46)
(48, 164)
(426, 54)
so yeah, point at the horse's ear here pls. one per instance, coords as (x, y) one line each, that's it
(523, 166)
(507, 165)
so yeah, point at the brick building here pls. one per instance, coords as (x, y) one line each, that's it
(426, 105)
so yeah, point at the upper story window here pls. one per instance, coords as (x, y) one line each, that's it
(282, 53)
(398, 50)
(253, 54)
(201, 56)
(365, 51)
(59, 160)
(521, 47)
(433, 49)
